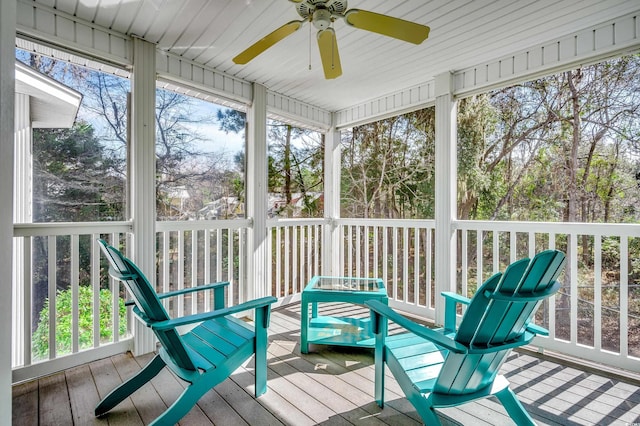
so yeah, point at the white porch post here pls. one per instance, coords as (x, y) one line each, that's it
(257, 175)
(331, 232)
(7, 88)
(22, 213)
(445, 197)
(143, 173)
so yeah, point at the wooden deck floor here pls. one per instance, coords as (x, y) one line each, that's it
(330, 386)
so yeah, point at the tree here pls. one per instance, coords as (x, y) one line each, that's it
(597, 110)
(556, 148)
(232, 120)
(182, 162)
(74, 179)
(388, 167)
(295, 167)
(294, 164)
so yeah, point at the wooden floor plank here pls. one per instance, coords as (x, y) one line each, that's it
(146, 400)
(107, 378)
(24, 407)
(55, 403)
(336, 362)
(343, 381)
(286, 410)
(246, 405)
(217, 409)
(84, 396)
(170, 388)
(337, 359)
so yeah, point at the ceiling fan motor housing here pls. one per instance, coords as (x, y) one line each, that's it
(307, 8)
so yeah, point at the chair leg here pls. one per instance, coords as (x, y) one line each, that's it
(261, 353)
(379, 379)
(429, 416)
(130, 386)
(185, 402)
(514, 408)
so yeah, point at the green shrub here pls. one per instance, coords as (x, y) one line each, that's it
(40, 339)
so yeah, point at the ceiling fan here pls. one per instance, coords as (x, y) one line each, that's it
(322, 13)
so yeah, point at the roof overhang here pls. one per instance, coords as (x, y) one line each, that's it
(476, 45)
(52, 104)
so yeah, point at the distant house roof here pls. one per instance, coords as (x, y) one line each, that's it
(52, 104)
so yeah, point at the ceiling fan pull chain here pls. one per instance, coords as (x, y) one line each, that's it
(333, 56)
(310, 47)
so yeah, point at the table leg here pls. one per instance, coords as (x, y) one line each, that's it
(304, 325)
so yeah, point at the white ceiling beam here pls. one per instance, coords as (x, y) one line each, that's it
(610, 39)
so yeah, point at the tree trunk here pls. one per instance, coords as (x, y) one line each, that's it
(287, 171)
(572, 172)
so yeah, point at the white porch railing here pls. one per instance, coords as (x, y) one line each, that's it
(398, 251)
(296, 255)
(595, 316)
(194, 253)
(52, 258)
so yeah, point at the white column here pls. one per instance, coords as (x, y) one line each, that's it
(142, 172)
(7, 90)
(445, 197)
(22, 213)
(257, 188)
(331, 265)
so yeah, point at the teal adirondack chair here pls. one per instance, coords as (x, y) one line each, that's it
(204, 356)
(444, 367)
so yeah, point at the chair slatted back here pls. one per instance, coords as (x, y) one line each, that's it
(490, 323)
(147, 304)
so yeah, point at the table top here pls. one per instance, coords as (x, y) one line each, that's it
(345, 284)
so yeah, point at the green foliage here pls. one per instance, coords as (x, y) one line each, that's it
(534, 198)
(75, 179)
(560, 148)
(231, 120)
(476, 124)
(64, 326)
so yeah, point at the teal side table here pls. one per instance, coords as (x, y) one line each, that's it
(341, 331)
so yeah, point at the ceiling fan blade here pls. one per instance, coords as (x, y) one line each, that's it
(267, 41)
(329, 55)
(387, 25)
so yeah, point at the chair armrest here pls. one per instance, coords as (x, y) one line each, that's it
(379, 308)
(192, 289)
(450, 303)
(195, 318)
(214, 286)
(536, 329)
(458, 298)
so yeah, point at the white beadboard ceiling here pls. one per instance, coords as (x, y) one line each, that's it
(463, 33)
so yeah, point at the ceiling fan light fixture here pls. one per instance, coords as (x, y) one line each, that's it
(321, 19)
